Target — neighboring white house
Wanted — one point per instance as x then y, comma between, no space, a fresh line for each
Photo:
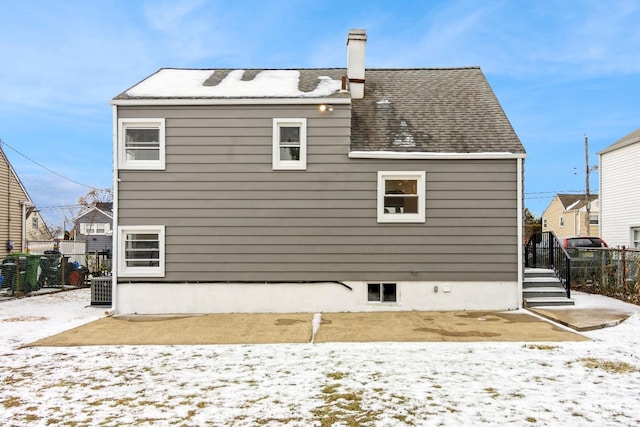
619,189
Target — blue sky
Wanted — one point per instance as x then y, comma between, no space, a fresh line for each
561,69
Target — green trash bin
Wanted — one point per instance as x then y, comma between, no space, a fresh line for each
31,271
9,273
27,278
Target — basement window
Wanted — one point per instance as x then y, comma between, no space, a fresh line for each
382,292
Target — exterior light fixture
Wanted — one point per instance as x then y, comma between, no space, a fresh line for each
325,107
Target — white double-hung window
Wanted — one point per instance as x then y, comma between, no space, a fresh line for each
141,144
635,237
401,196
289,144
141,251
94,228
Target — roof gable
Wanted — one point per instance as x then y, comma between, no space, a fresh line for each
630,139
575,201
101,210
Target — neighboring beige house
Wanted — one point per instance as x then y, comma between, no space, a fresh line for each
566,216
20,222
619,187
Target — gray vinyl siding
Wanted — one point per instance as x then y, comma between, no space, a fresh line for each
230,217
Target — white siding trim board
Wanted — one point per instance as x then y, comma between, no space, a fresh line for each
422,155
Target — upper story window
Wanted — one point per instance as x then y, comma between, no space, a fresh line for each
289,144
141,251
544,223
95,228
141,144
34,222
561,222
594,219
401,196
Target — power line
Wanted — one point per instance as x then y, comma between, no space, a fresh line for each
4,144
58,207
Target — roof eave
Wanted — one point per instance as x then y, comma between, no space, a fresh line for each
424,155
229,101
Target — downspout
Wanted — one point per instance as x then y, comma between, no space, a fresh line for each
23,224
114,238
23,221
520,222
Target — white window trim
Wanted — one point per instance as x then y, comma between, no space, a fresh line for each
123,270
123,163
632,228
384,217
382,283
561,221
88,229
289,164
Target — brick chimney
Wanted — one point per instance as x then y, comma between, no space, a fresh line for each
356,43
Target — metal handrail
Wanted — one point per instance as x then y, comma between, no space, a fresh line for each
545,250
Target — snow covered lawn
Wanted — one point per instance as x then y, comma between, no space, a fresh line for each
573,383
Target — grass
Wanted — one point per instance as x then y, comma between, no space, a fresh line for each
540,347
609,366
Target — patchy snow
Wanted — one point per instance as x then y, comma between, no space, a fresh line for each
381,384
183,83
403,136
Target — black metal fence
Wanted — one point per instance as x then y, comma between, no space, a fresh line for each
544,250
608,271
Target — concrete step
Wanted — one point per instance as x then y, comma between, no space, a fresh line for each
551,301
544,292
539,272
540,282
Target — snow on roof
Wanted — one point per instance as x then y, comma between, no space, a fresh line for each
185,83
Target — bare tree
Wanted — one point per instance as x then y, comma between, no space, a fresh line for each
95,196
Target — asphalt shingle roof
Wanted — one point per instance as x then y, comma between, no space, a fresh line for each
431,110
570,200
439,110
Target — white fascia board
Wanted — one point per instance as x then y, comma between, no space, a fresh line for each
232,101
573,205
422,155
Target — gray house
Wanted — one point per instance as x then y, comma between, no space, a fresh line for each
94,226
293,190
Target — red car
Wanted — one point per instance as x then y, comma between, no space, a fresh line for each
583,242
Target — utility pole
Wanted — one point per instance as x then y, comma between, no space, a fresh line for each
587,195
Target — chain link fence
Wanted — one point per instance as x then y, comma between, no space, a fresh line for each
613,272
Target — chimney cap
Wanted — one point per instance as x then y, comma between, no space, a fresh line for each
360,35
